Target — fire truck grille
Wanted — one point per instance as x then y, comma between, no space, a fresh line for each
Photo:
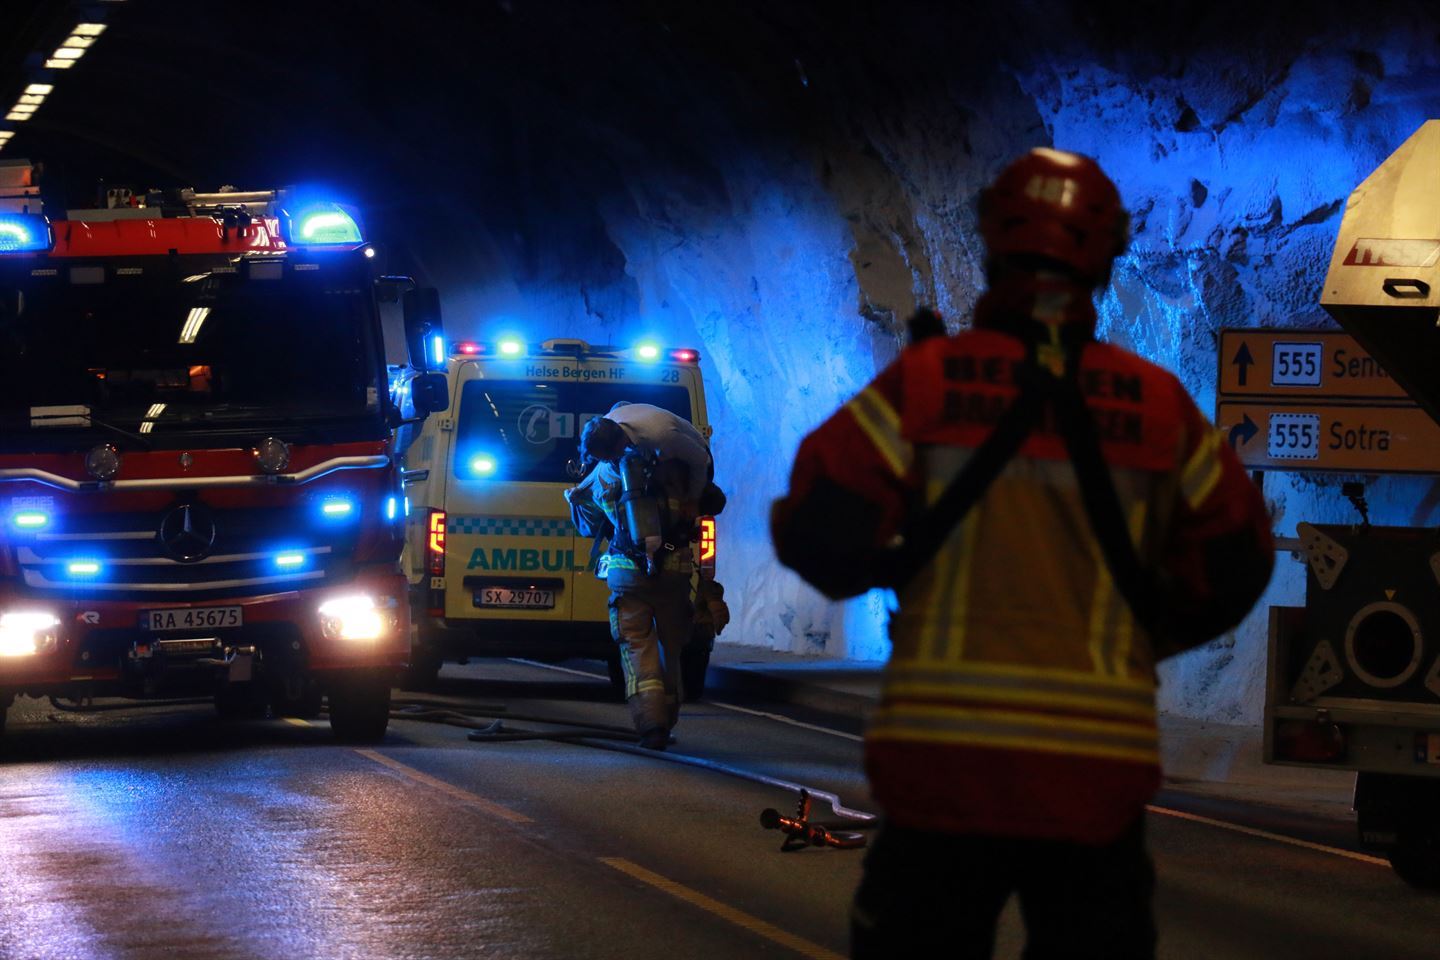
124,556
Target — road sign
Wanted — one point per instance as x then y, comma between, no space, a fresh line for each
1354,438
1300,364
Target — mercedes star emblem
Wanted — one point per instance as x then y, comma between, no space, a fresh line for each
188,532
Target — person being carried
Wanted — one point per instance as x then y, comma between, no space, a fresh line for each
641,495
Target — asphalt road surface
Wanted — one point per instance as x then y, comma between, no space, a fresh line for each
161,831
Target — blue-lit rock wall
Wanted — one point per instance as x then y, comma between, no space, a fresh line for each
827,186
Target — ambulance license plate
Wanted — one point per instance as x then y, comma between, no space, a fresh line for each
506,597
192,618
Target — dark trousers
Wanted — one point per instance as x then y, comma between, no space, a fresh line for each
650,618
938,895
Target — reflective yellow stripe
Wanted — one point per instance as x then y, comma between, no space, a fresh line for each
960,605
999,717
1200,475
1101,603
1036,744
983,668
1125,617
1097,702
647,685
1021,730
882,425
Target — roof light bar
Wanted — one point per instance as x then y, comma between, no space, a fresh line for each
467,348
324,224
23,232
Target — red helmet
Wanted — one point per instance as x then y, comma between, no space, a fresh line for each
1059,206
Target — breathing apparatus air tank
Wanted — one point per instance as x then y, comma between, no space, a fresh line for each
640,506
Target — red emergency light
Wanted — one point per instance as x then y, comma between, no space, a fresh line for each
707,547
685,355
436,563
468,348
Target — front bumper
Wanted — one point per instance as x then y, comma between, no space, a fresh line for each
103,644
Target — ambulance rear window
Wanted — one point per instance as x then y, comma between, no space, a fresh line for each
523,430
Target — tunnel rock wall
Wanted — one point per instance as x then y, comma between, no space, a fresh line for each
780,183
828,187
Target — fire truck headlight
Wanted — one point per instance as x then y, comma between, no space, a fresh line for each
358,617
103,462
24,633
272,455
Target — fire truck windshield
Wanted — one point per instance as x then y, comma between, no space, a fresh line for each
180,353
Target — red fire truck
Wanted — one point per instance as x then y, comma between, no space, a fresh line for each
199,486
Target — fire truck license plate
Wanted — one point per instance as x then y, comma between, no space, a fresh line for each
506,597
192,618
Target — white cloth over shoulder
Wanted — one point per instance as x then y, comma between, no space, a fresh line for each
672,437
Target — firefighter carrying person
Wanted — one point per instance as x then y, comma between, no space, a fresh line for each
1055,516
642,495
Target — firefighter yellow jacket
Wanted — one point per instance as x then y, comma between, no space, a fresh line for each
1019,698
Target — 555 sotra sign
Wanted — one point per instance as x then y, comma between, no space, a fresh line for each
1332,436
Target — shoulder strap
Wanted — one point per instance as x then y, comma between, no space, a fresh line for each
1038,389
1102,506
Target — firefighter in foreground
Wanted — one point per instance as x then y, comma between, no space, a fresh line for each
1055,516
642,495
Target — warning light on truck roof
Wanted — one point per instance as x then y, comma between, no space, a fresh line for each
20,232
324,223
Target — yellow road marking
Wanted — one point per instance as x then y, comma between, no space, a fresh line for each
465,796
297,721
1267,835
743,920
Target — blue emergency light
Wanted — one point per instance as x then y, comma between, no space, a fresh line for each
323,224
289,561
23,232
337,508
83,568
31,520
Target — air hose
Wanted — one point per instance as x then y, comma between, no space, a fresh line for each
604,737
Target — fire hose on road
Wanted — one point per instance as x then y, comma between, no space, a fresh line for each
488,725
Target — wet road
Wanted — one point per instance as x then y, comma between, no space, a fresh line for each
162,832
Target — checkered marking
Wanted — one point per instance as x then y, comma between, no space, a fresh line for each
510,526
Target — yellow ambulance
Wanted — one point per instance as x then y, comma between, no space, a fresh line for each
496,567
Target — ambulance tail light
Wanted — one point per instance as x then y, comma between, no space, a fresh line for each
707,547
435,547
1309,741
